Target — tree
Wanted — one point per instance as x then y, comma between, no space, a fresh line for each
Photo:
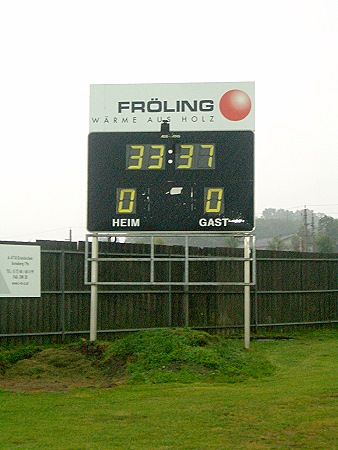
277,223
323,243
328,226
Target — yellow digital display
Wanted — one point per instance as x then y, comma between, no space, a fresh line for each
126,201
195,156
145,157
155,157
213,200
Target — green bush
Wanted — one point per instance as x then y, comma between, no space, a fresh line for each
182,355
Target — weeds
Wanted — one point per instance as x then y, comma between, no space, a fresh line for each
160,356
11,356
182,355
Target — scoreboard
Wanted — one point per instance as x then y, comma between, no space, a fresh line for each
193,181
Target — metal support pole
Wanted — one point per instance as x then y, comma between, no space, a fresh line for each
169,294
94,288
246,292
186,282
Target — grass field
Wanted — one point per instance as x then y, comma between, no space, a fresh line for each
295,406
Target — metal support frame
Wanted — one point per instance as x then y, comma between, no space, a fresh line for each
248,259
94,288
152,259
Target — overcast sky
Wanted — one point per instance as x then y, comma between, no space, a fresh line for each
52,51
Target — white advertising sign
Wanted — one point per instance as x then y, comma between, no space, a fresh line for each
187,107
20,271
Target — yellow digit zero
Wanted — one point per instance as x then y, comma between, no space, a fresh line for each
212,195
123,198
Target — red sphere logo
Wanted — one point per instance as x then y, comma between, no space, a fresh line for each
235,105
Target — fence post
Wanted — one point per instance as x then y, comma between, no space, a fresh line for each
62,286
94,288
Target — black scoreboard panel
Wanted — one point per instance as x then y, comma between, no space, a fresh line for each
196,181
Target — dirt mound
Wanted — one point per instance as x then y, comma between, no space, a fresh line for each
54,369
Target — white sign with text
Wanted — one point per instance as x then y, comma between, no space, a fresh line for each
185,106
20,271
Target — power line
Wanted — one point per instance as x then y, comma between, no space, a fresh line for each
302,206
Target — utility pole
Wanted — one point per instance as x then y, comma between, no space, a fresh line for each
70,235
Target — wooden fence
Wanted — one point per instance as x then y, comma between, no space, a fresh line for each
292,288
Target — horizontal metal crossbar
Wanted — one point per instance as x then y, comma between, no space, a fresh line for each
173,283
152,258
172,259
